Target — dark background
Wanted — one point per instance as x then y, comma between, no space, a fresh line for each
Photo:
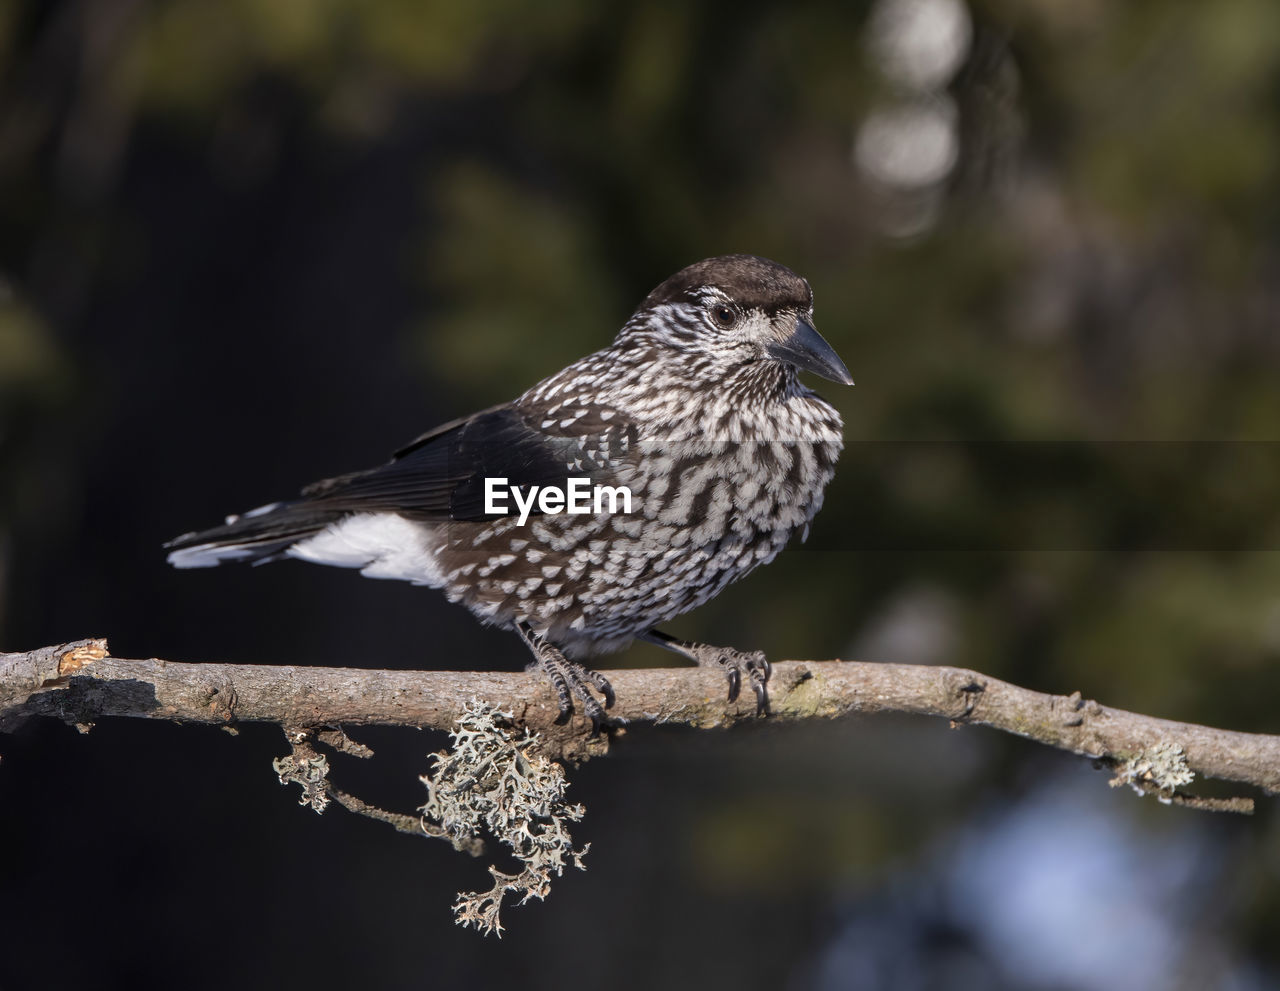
245,245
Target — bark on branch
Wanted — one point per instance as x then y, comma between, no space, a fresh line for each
81,683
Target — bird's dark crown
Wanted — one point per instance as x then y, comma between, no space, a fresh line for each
752,282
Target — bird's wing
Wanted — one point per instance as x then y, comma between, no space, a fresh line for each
441,475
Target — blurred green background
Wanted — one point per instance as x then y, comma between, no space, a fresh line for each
245,244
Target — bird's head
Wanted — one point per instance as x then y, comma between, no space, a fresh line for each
738,312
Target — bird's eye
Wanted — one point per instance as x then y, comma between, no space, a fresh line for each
723,315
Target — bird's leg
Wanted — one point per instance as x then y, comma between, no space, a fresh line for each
569,679
735,663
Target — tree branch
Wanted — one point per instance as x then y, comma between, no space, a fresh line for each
80,683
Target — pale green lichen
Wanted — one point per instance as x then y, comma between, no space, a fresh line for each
490,781
807,696
310,770
1162,768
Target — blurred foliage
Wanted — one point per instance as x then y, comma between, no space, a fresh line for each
34,381
503,262
31,367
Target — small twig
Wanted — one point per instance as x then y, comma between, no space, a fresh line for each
1241,806
336,738
309,770
412,825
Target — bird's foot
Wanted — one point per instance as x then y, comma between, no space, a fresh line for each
570,679
737,665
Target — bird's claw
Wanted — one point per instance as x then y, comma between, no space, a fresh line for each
606,690
758,671
754,665
571,682
592,708
762,693
735,684
570,678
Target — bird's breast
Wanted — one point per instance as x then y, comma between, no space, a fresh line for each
711,498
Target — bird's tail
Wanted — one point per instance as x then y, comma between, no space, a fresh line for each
258,536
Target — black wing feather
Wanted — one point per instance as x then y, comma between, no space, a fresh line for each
441,475
438,477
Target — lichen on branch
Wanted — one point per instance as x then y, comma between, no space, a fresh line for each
491,781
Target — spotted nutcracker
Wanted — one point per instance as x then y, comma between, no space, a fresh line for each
695,411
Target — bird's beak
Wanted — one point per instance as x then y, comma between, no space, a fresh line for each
806,349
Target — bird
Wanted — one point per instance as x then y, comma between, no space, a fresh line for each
695,411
